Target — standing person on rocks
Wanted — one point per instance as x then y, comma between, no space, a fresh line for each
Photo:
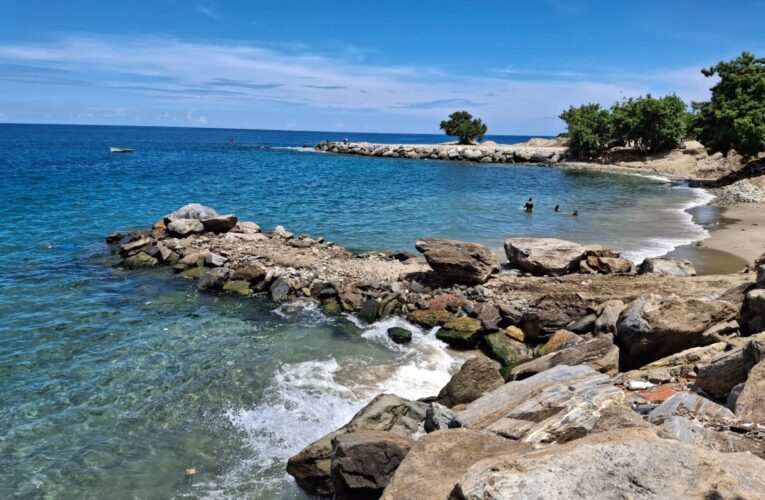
529,206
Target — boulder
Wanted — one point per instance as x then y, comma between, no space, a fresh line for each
430,317
718,376
215,260
219,224
214,279
458,261
399,335
542,256
437,461
311,467
139,261
652,327
683,402
252,274
185,227
599,353
583,325
626,463
438,417
753,312
238,286
560,340
505,348
607,316
750,404
363,462
676,365
490,317
674,267
191,211
279,289
246,227
369,310
134,245
463,333
607,265
476,377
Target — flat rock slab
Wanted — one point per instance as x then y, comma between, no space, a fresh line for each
632,463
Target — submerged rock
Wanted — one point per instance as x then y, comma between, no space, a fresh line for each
399,335
139,261
458,261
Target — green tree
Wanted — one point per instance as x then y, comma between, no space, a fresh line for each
462,124
590,130
651,125
735,116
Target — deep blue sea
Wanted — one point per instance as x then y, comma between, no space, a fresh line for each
113,383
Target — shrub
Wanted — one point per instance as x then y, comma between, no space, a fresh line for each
589,130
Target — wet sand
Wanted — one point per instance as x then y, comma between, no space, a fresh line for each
737,237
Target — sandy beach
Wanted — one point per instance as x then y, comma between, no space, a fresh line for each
740,231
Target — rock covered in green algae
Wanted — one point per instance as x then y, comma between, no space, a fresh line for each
430,317
194,272
139,261
399,335
506,349
238,286
461,332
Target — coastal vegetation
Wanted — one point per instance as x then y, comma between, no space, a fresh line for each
734,118
462,124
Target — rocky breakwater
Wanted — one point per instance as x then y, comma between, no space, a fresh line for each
493,153
647,379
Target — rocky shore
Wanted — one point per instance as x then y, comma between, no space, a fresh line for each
590,376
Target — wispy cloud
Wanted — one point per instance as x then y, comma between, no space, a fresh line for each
207,11
166,78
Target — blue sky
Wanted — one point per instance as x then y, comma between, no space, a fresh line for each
395,66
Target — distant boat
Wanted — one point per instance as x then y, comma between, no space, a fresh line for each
120,150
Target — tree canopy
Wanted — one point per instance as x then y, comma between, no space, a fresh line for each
651,125
462,124
589,130
734,118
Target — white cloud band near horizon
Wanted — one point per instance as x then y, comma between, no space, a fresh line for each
159,80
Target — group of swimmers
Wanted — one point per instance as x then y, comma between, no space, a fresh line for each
529,207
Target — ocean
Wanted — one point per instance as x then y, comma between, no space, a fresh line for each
113,382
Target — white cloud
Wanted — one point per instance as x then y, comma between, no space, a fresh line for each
166,76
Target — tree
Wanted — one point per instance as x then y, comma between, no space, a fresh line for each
651,125
462,124
589,130
735,116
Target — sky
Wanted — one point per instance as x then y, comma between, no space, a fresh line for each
394,66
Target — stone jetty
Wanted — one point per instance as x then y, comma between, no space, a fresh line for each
482,153
591,377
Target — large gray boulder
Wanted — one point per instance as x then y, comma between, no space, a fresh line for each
544,255
653,326
185,227
458,261
674,267
192,211
628,463
311,467
363,462
476,377
437,461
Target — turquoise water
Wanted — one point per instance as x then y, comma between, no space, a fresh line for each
115,383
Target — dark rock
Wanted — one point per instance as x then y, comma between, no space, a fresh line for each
369,310
490,317
252,274
438,417
214,279
583,325
458,261
753,312
363,462
476,377
114,238
219,224
399,335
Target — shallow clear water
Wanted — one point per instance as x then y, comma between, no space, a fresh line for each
116,382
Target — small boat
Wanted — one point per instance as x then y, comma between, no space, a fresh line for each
121,150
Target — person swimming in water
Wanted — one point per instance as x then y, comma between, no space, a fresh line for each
557,208
529,206
575,213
